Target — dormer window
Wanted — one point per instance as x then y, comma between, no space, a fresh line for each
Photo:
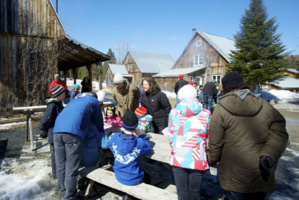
198,59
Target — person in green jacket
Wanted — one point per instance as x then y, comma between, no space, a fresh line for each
247,137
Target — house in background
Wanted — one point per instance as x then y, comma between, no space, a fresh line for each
204,58
139,65
288,83
293,73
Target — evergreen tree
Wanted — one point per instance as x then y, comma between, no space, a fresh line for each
105,65
259,55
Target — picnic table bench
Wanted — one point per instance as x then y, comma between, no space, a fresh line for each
161,152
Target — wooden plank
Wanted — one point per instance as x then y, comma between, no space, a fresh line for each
141,191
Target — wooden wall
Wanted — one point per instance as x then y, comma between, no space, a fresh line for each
29,34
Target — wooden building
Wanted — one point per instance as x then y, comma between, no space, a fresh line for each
112,69
204,59
33,47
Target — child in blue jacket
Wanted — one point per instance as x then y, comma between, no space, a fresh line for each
126,148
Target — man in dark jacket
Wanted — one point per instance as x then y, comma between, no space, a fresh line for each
247,137
180,83
71,127
209,91
54,107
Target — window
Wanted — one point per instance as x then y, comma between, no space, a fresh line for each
191,78
199,80
198,43
217,78
198,59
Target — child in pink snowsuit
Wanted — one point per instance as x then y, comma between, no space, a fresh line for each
112,118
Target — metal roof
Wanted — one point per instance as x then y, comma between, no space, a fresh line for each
152,62
116,68
288,82
178,71
221,44
296,71
73,54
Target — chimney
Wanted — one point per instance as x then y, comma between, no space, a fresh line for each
193,31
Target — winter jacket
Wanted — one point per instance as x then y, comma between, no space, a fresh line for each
127,98
54,107
210,89
115,121
180,83
57,82
94,140
158,106
243,128
188,135
77,116
145,124
74,94
126,152
86,87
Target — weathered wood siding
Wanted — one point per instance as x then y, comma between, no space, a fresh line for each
29,34
109,78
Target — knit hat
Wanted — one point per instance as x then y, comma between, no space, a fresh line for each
57,90
180,77
130,121
76,86
191,83
232,80
101,95
118,79
187,92
140,111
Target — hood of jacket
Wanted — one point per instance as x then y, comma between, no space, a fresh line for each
242,103
189,107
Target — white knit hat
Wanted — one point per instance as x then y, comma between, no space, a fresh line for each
187,92
101,95
118,79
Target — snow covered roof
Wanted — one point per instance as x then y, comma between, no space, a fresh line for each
178,71
116,68
152,62
288,82
221,44
296,71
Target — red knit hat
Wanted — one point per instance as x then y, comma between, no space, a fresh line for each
191,83
180,77
140,111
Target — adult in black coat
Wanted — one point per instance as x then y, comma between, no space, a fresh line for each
54,107
156,103
180,83
86,85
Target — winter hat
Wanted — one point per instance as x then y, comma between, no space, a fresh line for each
118,79
76,86
232,80
101,95
190,83
130,121
187,92
180,77
57,90
140,111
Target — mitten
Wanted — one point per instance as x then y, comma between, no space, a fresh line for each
265,165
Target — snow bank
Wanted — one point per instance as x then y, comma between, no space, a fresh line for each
285,95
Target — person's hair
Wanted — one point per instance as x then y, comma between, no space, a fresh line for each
225,91
112,108
86,78
154,87
94,94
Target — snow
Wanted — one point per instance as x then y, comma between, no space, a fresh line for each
285,95
10,125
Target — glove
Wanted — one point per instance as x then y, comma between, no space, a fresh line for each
265,165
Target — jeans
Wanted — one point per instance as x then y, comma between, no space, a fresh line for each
207,102
52,150
188,183
68,153
246,196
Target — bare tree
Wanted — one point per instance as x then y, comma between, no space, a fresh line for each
121,48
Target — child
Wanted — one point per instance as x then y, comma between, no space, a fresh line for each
112,118
145,124
75,91
126,148
54,107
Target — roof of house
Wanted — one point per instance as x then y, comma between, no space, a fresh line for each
296,71
221,44
152,62
117,68
179,71
288,82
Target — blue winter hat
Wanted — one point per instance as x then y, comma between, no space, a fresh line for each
130,121
76,86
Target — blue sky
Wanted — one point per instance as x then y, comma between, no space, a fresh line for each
165,26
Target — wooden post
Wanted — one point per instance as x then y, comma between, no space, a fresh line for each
99,65
75,75
89,68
